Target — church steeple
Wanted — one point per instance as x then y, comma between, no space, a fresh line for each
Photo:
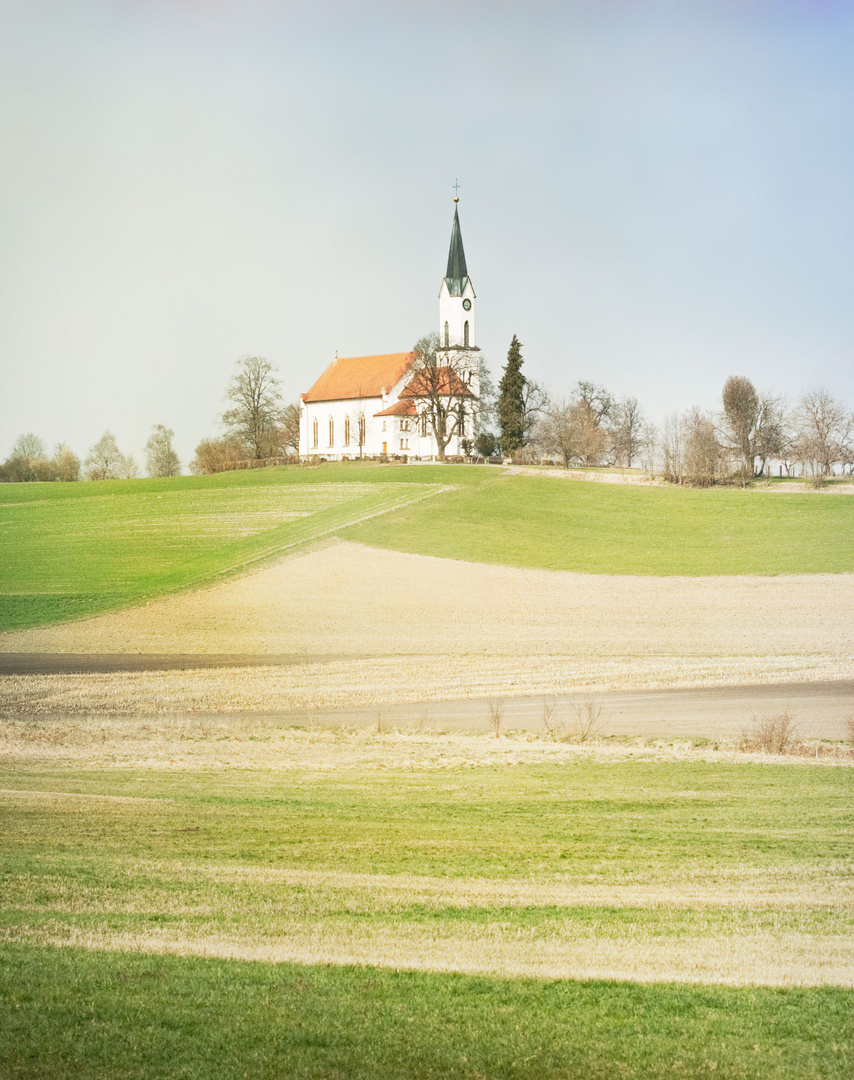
456,296
457,274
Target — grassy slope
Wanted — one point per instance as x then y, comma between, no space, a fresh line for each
138,865
72,550
621,529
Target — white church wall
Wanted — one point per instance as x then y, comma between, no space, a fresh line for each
378,429
453,313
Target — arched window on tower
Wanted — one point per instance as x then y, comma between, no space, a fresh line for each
314,432
331,431
447,336
466,334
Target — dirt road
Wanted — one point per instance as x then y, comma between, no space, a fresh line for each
819,711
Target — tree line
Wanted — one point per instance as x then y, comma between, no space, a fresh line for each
29,459
750,432
258,426
520,420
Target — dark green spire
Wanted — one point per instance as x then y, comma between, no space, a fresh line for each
457,274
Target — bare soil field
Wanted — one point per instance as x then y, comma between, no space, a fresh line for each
362,627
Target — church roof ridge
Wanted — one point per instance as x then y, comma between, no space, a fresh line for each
359,376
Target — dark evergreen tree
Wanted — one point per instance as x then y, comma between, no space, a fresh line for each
511,401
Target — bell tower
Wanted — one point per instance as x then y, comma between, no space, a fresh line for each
457,328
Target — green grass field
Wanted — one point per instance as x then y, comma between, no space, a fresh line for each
555,524
116,879
72,550
160,918
107,1017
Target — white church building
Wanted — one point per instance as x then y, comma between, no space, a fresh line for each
369,406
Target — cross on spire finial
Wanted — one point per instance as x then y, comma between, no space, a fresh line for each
457,190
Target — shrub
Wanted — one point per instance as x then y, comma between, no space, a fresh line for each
772,735
588,721
496,714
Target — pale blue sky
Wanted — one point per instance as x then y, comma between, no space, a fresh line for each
654,196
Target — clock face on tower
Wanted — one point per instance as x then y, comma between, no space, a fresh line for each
467,304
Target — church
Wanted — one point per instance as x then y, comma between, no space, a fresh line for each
403,404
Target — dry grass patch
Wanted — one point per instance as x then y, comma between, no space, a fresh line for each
183,742
742,959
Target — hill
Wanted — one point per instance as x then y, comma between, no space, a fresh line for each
73,550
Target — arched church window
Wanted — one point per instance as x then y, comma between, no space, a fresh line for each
466,334
346,430
424,425
361,429
331,431
447,336
314,432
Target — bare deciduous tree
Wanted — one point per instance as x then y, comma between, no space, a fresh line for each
556,432
66,463
160,456
690,449
627,427
597,399
823,433
487,396
672,449
29,447
591,436
27,461
650,447
535,402
256,414
289,428
128,469
443,388
217,455
702,452
572,432
752,426
496,714
104,460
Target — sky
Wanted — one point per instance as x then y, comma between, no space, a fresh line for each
653,196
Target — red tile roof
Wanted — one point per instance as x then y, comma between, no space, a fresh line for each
447,382
400,408
359,376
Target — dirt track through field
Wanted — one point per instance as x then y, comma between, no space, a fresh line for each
368,627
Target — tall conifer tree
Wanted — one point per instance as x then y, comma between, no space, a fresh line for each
511,401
